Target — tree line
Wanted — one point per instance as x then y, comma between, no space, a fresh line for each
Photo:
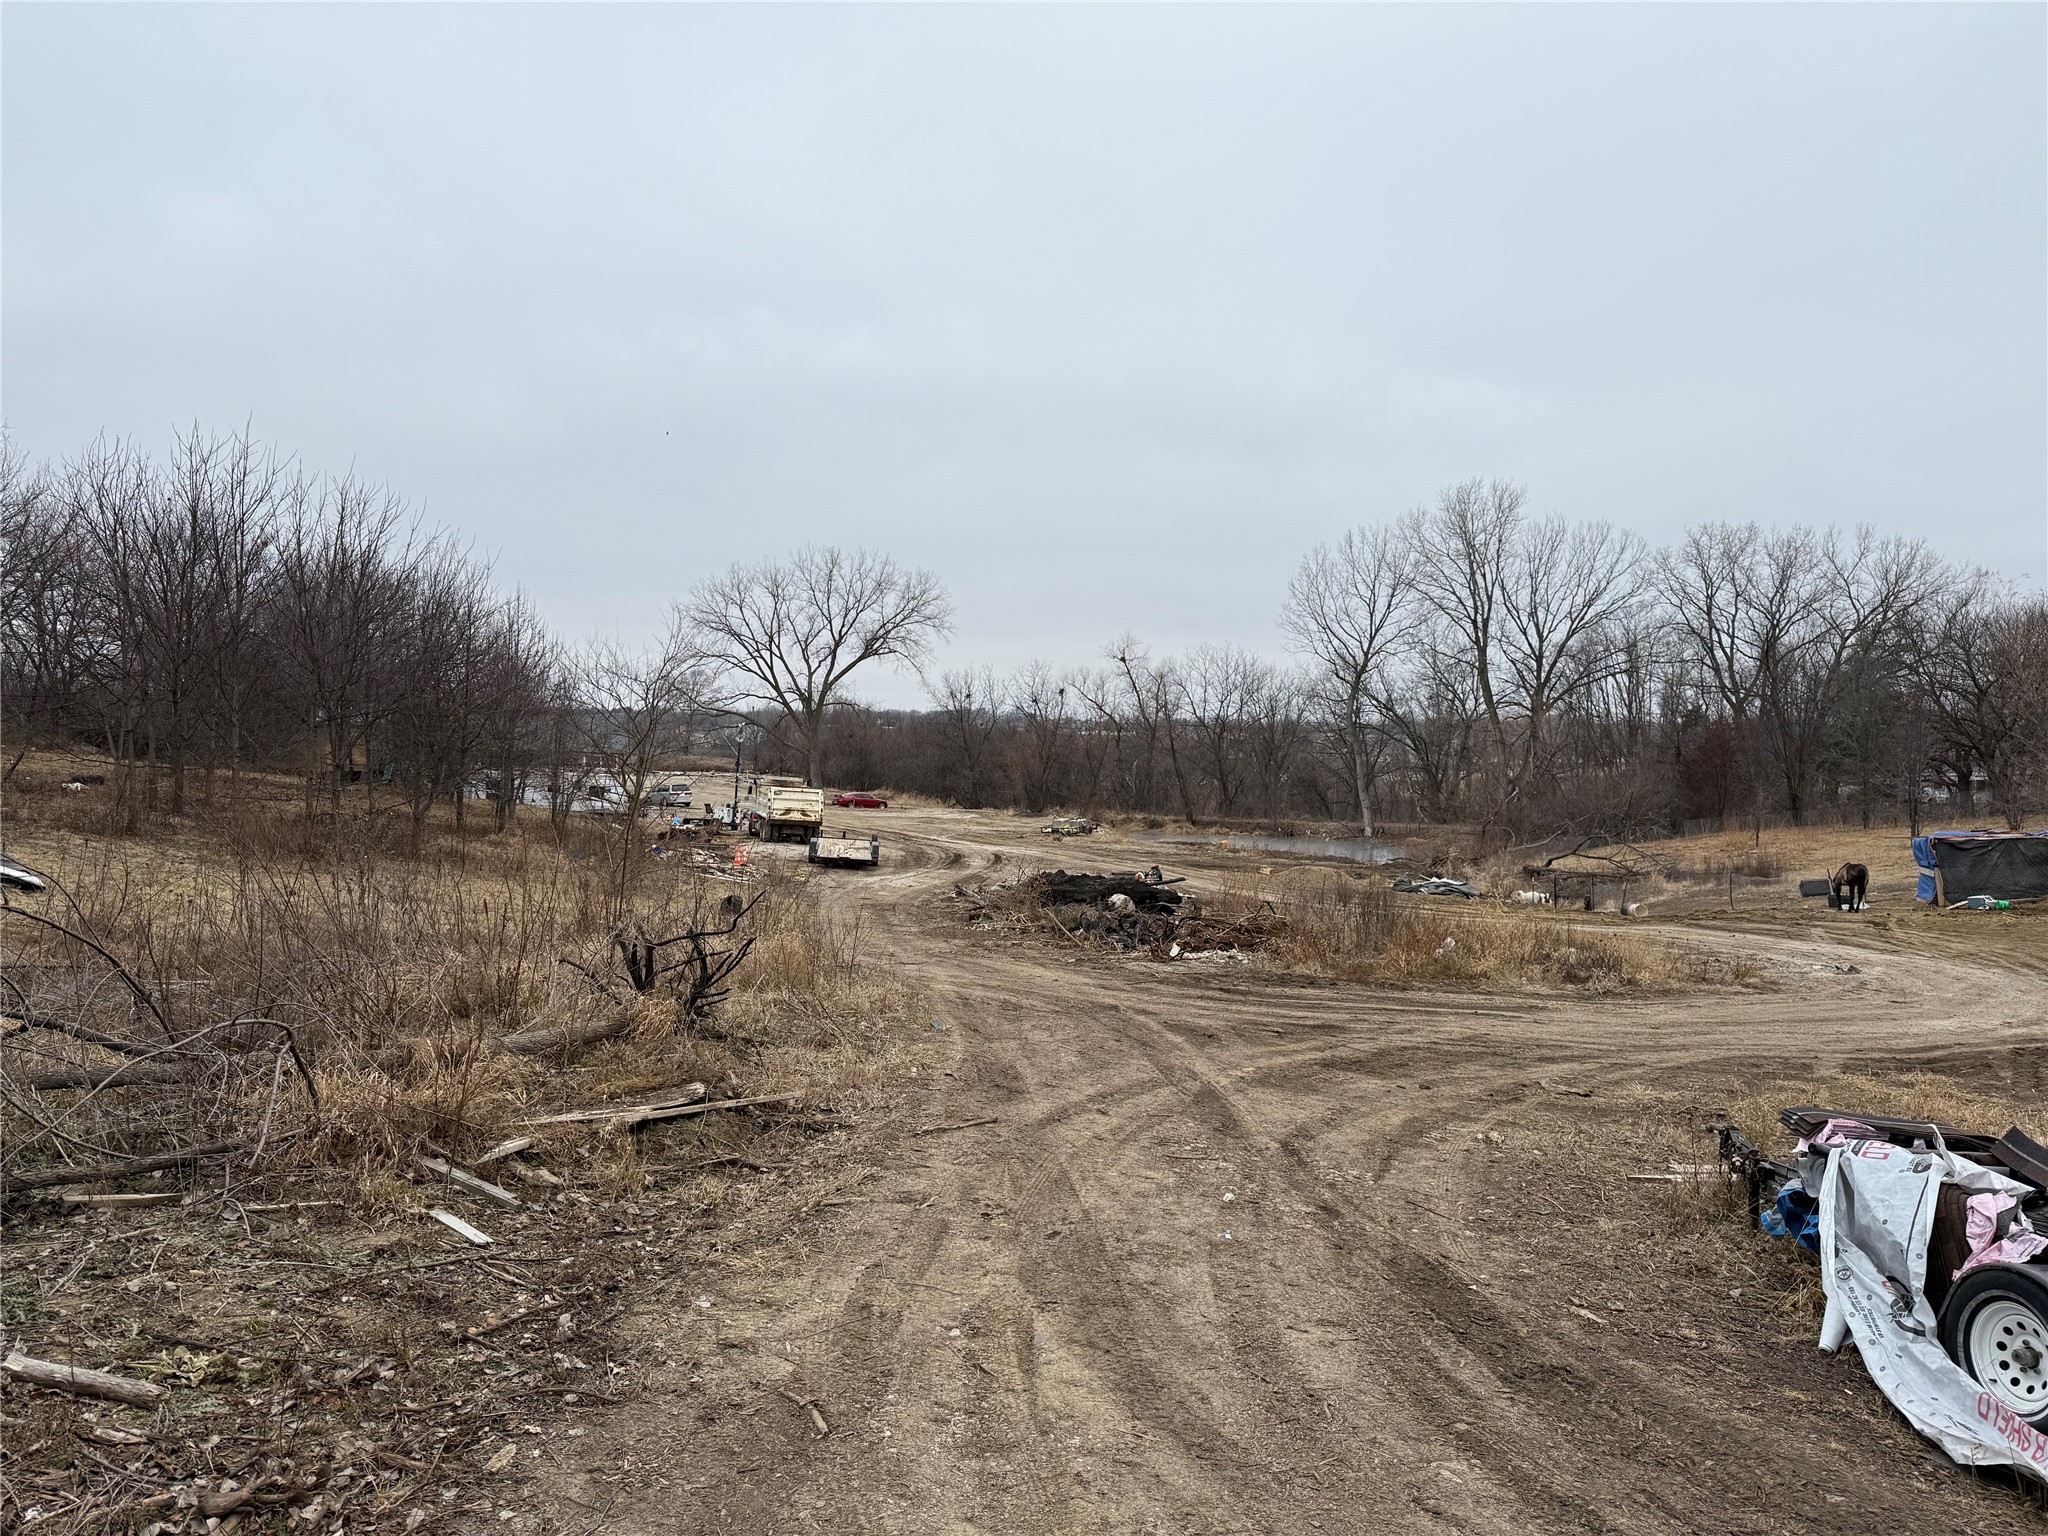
218,609
1472,662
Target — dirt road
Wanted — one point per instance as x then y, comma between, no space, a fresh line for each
1239,1253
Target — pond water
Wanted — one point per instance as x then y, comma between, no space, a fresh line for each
1355,848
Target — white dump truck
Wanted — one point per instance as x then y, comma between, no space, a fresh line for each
844,849
776,807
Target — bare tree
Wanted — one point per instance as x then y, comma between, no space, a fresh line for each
521,668
45,612
633,704
2017,638
1707,586
107,489
344,562
1536,610
1432,710
1979,666
1569,590
1038,698
969,705
1137,697
789,634
249,486
432,727
1275,730
1823,599
1462,553
1219,689
1348,608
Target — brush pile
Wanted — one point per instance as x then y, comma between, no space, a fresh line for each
1127,912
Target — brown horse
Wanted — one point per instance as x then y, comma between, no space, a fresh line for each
1850,884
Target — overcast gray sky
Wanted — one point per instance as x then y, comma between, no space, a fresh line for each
1104,314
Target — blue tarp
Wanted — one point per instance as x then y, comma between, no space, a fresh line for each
1924,856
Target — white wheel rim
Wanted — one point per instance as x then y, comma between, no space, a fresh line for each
2009,1354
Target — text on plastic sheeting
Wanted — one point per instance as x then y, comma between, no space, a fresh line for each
2022,1436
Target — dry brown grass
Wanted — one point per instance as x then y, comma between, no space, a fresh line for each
312,1277
397,967
1357,929
1353,927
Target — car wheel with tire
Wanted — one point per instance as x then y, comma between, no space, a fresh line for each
1995,1326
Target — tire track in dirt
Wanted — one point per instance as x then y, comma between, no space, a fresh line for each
1357,1354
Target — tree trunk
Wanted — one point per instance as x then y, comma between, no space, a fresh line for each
1361,781
813,726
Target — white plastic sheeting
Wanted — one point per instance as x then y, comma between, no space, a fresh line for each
1876,1214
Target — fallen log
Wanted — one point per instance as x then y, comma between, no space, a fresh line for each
102,1077
161,1197
51,1178
80,1032
72,1378
538,1042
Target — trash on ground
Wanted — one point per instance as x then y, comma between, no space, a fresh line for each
1129,911
1436,887
1930,1241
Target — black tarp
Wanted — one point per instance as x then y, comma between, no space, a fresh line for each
2009,868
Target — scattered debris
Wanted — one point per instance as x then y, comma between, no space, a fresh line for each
1930,1258
1409,885
1069,826
17,876
1057,888
461,1228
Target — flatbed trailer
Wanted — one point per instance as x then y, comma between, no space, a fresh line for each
827,849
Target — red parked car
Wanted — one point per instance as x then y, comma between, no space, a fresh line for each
860,799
